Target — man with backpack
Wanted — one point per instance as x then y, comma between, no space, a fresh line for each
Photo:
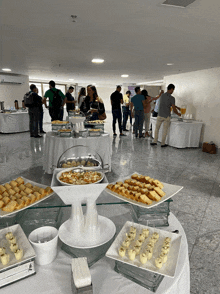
33,102
56,101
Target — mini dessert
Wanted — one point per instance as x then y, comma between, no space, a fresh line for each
132,234
167,239
122,251
19,181
19,254
143,258
129,237
145,232
7,186
165,249
149,253
119,183
144,199
2,250
133,229
158,262
139,242
155,235
141,237
160,192
126,243
5,258
153,240
28,185
2,189
137,249
13,247
163,256
131,254
150,245
12,240
158,184
11,192
9,235
153,196
10,206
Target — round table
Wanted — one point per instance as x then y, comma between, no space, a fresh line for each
180,134
14,122
55,278
56,145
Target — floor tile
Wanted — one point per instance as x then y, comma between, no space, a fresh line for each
204,281
213,209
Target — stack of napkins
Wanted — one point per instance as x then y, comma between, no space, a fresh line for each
81,272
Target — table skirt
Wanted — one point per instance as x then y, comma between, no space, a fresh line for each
14,122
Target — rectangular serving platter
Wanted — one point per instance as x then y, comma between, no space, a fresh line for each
169,189
4,213
22,242
168,269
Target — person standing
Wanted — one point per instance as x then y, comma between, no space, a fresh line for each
34,112
70,101
81,96
116,101
166,101
125,109
138,103
41,115
156,108
56,101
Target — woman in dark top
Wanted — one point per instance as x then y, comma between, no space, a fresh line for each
93,104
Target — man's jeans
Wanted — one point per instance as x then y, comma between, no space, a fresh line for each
116,113
139,119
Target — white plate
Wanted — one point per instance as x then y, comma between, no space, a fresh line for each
72,168
169,189
4,213
22,242
168,268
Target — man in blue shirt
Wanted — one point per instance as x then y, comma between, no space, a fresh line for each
138,102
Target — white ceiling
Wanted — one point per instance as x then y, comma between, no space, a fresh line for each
135,37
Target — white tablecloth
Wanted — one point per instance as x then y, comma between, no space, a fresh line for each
14,122
56,145
180,134
55,278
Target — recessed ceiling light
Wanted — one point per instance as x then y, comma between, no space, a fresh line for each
170,63
6,69
98,60
124,76
71,79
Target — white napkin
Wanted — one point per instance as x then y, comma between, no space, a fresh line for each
81,272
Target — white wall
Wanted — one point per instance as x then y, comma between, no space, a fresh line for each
9,92
200,91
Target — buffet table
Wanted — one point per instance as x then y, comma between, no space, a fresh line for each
180,134
14,122
56,277
56,145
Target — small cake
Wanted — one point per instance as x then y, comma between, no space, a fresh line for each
158,262
149,253
132,234
155,235
139,242
131,254
158,184
2,189
19,181
9,235
143,258
153,196
137,249
134,176
165,249
160,192
163,256
22,187
144,199
12,240
145,232
19,254
10,206
150,245
122,251
5,259
126,243
2,250
133,229
129,237
13,247
153,240
141,237
167,239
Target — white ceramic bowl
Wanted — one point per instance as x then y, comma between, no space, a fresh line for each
76,170
76,119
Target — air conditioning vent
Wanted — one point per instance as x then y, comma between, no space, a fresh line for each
178,3
12,79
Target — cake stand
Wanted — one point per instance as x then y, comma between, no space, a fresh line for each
86,235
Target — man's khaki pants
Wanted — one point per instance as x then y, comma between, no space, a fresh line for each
166,124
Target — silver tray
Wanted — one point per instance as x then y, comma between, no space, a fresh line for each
4,213
22,242
168,269
80,162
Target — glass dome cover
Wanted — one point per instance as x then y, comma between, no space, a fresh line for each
80,156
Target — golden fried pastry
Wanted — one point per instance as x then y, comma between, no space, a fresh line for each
133,183
158,184
13,184
153,196
144,199
16,189
32,198
11,192
6,200
7,186
22,187
148,186
36,189
127,181
37,195
144,191
28,185
5,194
2,203
109,186
134,176
13,197
28,191
119,183
2,189
48,190
20,204
160,192
27,200
18,196
10,206
19,181
23,193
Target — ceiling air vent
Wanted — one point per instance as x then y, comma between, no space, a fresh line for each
178,3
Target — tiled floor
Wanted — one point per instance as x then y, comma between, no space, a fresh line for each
197,206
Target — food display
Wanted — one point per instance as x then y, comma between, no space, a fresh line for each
147,248
65,130
87,162
95,130
59,122
72,177
95,122
19,194
142,190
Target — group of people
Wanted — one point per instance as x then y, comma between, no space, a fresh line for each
91,105
139,107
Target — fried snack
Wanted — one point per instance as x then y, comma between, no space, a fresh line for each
23,193
5,258
13,184
7,186
109,186
12,240
27,200
6,200
5,194
10,206
160,192
28,191
149,253
18,196
158,184
28,185
119,183
137,249
19,181
48,190
141,237
153,196
134,176
37,195
150,181
16,189
20,204
143,258
32,198
2,203
2,189
144,191
137,196
148,186
19,254
36,189
158,262
144,199
13,197
122,251
22,187
11,192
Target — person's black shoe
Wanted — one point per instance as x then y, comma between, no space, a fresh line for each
153,144
141,136
31,135
114,135
126,130
42,132
122,135
165,145
38,136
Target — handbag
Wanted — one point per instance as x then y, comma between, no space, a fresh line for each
102,116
